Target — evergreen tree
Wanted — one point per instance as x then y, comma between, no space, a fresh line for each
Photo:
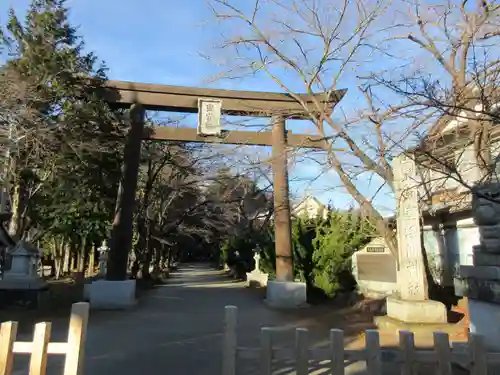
68,159
336,240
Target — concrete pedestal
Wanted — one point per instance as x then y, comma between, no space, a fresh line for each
484,319
427,311
105,294
286,294
257,278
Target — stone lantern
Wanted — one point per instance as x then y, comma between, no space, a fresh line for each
103,258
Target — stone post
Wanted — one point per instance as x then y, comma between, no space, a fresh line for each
411,275
480,283
413,305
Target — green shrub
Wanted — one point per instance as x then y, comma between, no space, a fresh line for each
322,250
338,238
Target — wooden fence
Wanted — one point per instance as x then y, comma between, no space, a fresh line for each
475,358
41,346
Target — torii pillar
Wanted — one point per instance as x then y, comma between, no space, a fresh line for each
283,292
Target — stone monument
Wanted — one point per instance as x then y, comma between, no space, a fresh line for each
375,270
412,305
257,277
480,283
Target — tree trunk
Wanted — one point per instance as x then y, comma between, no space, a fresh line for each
67,258
135,268
148,251
81,255
146,263
157,264
16,210
58,257
90,270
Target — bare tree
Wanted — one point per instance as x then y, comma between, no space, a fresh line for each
449,84
406,100
186,200
315,44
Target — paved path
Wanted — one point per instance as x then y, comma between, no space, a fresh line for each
177,329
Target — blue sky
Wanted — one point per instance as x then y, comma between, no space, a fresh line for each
159,41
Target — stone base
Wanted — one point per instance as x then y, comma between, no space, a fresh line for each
111,295
257,279
389,324
484,317
416,311
377,289
36,296
19,283
286,294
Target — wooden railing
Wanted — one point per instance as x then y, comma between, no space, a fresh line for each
41,346
475,358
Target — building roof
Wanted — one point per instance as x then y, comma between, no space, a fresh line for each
308,197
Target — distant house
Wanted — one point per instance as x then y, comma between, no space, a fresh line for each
309,207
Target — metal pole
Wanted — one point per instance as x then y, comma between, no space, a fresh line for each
121,238
282,221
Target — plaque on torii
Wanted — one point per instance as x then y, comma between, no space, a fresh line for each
209,116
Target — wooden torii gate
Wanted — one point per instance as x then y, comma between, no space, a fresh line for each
141,97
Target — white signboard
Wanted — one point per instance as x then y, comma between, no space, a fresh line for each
209,115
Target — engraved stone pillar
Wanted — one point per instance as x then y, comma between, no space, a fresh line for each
411,276
413,305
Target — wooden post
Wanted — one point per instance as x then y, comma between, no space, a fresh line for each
337,352
266,351
443,353
373,362
77,334
282,222
8,333
121,239
229,349
41,338
407,346
302,351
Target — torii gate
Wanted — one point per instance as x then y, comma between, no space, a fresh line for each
141,97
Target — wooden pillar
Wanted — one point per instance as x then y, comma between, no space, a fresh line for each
282,222
121,237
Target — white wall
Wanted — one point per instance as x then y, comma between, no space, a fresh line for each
467,168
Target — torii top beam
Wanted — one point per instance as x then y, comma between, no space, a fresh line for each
242,103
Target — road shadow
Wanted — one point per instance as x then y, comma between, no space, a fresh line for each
253,315
178,327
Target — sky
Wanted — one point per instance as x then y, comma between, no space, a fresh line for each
161,41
